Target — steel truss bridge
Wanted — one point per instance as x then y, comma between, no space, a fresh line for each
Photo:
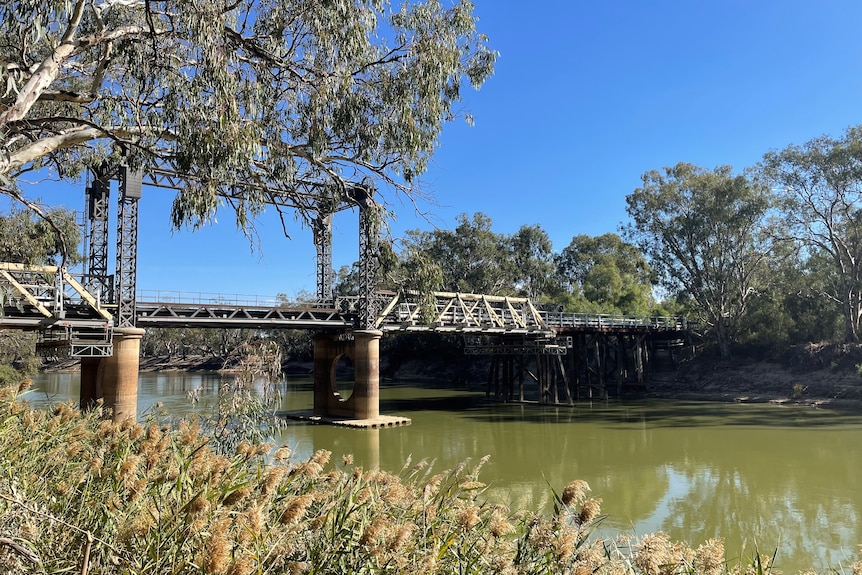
76,314
56,304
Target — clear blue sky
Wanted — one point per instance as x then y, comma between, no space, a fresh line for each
586,97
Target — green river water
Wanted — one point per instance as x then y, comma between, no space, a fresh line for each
760,476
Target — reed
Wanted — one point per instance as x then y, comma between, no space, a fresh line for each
80,494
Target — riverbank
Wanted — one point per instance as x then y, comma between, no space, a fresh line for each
813,374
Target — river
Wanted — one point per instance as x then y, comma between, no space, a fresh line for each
760,476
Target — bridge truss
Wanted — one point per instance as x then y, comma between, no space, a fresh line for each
48,299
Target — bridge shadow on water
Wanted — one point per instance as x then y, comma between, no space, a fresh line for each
627,414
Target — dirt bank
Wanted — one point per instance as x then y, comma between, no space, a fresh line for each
815,374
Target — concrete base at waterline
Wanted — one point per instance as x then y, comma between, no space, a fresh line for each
372,423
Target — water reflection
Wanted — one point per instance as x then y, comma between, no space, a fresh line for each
757,475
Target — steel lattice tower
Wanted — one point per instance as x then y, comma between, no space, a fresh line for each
127,246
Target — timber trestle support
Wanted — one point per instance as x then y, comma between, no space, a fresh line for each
574,366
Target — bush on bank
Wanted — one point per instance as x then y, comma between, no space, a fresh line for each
80,494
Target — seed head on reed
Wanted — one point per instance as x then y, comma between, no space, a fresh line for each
373,531
498,524
468,517
710,557
565,543
189,431
541,537
272,479
321,457
282,454
242,565
217,550
198,506
244,449
137,489
295,509
74,449
432,487
656,554
590,509
475,473
402,536
253,521
472,485
262,449
63,489
106,429
154,433
347,459
575,492
236,496
65,412
136,432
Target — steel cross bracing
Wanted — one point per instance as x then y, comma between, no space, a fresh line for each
98,194
69,319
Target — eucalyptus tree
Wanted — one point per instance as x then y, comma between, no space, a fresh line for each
820,188
472,258
704,232
303,96
533,261
30,240
612,275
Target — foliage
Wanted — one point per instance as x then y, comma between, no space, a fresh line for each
18,348
186,341
52,240
704,232
610,274
9,376
245,410
80,494
472,257
532,260
820,188
309,97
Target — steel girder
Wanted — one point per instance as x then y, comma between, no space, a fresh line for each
236,316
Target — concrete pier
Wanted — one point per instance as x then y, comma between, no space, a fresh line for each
362,408
114,379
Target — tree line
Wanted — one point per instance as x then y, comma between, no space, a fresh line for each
764,258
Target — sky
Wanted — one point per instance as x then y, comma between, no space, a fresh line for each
585,98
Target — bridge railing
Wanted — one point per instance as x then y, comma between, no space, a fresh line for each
214,299
613,321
